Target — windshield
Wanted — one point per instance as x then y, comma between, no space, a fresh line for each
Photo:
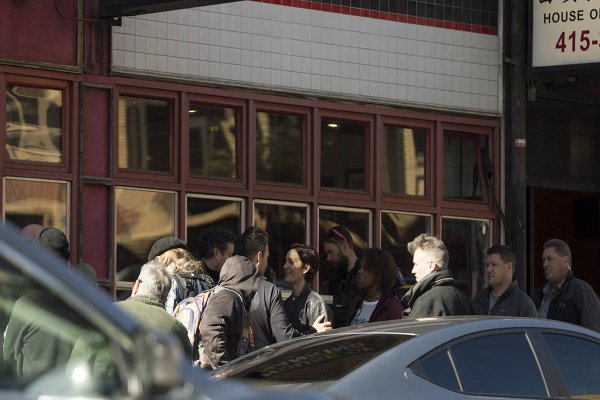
316,359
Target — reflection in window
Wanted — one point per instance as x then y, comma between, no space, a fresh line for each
144,134
358,223
467,241
462,177
579,362
142,217
45,340
403,170
343,158
397,229
210,212
510,355
279,150
37,202
213,140
437,368
34,124
286,224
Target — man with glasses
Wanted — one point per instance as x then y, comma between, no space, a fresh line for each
339,251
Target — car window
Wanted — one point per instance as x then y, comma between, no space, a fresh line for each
437,368
47,345
579,362
498,364
318,359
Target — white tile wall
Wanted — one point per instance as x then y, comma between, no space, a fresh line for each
311,51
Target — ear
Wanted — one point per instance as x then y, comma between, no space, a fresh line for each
432,266
216,253
136,287
305,268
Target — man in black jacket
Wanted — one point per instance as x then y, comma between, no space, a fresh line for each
502,296
564,297
435,294
267,313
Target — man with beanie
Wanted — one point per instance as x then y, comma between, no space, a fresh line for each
147,303
54,239
32,348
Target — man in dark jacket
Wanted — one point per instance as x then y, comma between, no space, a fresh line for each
564,297
267,312
147,303
502,296
338,247
435,293
222,324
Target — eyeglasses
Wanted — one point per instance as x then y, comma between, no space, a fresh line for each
336,233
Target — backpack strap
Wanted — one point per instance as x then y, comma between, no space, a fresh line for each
179,292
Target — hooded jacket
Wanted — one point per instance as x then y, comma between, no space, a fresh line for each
513,302
222,321
434,296
388,308
576,302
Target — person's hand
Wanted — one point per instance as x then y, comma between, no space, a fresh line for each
321,325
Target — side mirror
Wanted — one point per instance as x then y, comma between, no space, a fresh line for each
157,362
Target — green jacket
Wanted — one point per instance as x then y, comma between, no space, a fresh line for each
151,312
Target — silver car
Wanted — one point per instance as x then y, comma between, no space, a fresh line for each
436,358
86,348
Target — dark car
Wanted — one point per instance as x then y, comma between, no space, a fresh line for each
64,339
436,358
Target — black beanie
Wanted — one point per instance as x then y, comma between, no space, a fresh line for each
55,240
164,244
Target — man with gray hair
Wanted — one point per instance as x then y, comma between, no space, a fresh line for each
147,303
564,297
435,293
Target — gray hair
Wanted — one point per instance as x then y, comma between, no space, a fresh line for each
154,280
561,247
433,247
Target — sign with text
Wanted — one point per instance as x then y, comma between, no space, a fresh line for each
565,32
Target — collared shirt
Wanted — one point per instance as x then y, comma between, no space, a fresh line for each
550,292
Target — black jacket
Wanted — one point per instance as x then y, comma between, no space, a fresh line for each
344,291
304,310
513,302
267,313
435,295
222,322
576,303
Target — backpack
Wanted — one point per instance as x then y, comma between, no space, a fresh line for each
189,312
186,285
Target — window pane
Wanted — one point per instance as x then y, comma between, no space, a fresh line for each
143,216
358,223
343,154
36,202
279,152
213,140
34,124
397,230
204,213
498,365
579,362
286,224
467,241
436,367
404,161
461,171
144,134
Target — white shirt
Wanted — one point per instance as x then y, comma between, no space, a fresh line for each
364,312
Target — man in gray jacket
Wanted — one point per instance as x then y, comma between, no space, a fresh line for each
502,296
147,303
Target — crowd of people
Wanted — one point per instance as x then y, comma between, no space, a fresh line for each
243,311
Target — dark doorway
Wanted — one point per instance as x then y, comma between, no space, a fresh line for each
572,216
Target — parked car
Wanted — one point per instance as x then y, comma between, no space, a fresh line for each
90,348
434,358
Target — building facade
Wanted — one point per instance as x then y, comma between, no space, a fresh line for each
295,116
